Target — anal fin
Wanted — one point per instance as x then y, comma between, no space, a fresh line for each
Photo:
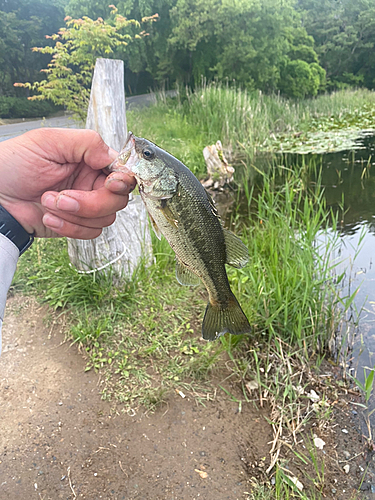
185,276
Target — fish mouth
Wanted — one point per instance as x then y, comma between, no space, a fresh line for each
130,139
126,159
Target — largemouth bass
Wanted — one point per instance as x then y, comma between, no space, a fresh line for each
182,210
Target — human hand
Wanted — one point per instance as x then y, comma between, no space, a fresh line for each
51,181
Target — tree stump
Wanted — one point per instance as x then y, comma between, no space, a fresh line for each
218,169
121,247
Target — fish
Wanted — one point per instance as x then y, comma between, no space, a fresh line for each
183,212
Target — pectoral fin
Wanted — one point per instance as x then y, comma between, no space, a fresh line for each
185,276
155,227
237,252
168,214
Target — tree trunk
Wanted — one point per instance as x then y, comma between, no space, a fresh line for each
121,247
218,169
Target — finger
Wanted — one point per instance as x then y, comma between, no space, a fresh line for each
94,223
68,229
74,146
120,183
88,204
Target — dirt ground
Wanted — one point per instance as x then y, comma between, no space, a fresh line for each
60,440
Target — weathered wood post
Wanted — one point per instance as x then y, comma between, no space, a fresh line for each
122,246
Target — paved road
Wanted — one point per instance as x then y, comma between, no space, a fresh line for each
14,129
11,130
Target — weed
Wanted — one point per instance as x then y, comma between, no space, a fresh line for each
144,335
368,386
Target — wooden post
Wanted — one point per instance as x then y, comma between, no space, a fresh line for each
121,247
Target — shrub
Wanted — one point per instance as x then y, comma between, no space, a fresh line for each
21,107
300,79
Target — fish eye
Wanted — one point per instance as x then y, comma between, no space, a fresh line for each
148,154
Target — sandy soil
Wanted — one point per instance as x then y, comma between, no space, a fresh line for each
59,440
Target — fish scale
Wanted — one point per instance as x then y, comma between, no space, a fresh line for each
182,210
191,241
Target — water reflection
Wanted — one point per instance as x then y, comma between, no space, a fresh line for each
348,179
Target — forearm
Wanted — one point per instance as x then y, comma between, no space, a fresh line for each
9,254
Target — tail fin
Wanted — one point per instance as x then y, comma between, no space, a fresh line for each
218,320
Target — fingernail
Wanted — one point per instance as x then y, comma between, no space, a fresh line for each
52,221
117,185
67,203
49,201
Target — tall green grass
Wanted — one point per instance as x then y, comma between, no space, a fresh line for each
246,123
290,285
287,291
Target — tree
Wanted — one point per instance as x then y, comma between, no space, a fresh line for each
76,49
11,53
23,24
300,79
141,59
248,41
344,34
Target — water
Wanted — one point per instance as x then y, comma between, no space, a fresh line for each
348,179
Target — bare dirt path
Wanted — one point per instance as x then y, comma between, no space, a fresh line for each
59,440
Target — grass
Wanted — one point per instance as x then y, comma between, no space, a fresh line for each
250,123
144,336
148,330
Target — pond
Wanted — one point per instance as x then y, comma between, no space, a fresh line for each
348,179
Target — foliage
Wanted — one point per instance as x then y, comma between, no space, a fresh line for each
261,44
24,23
344,34
76,49
20,107
300,79
246,41
141,59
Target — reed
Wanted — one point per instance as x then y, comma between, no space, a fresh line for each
290,289
145,335
245,122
